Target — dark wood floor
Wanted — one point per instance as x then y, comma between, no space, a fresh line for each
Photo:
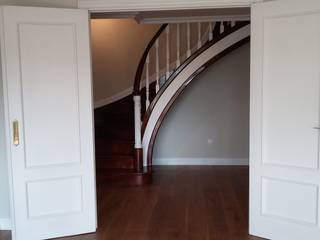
187,203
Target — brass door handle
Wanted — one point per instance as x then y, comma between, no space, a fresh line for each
16,137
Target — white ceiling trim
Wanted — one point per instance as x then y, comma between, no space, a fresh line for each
149,5
193,19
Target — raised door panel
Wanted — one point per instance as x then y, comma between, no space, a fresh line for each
50,85
291,91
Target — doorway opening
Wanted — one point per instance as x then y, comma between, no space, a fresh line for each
200,175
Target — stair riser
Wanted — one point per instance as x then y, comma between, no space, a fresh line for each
119,163
107,149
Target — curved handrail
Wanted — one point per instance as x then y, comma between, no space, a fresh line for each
180,90
148,151
138,76
176,72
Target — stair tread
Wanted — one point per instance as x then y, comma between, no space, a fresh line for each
114,137
114,141
117,157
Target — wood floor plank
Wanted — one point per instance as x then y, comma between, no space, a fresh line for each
182,203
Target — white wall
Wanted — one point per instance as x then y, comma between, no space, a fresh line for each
42,3
209,123
117,46
4,187
113,72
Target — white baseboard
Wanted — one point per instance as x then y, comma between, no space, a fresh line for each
113,98
5,224
201,161
128,91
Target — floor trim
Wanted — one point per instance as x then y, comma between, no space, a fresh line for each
5,224
201,161
126,92
113,98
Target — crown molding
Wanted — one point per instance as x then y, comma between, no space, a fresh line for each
149,5
193,19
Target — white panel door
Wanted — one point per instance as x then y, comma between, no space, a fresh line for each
47,79
285,103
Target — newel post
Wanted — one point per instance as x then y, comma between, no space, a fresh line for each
137,133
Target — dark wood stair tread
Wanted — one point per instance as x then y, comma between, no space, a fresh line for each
114,137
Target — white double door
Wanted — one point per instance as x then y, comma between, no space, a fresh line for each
47,84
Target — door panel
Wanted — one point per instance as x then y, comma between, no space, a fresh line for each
284,134
47,77
45,69
40,193
302,198
291,90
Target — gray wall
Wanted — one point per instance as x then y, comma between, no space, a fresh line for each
4,188
209,123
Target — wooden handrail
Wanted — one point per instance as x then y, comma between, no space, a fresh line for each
217,36
138,76
181,89
220,30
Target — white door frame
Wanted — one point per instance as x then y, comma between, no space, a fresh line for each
116,6
156,5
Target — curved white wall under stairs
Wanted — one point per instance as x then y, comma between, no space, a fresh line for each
183,76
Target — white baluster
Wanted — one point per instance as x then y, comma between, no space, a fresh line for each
210,31
178,44
168,52
147,82
221,27
137,121
188,40
157,65
199,35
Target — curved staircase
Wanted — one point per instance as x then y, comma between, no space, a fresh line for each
126,130
114,141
